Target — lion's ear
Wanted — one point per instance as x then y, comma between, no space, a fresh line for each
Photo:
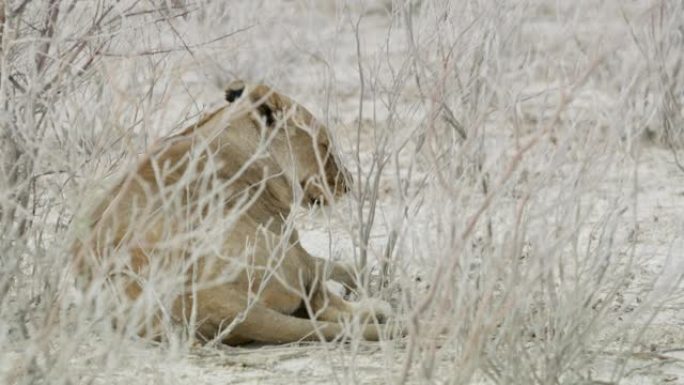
267,102
234,90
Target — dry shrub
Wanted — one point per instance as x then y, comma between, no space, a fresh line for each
494,148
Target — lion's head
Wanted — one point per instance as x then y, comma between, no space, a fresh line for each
300,144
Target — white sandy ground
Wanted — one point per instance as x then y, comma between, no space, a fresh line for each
659,361
660,218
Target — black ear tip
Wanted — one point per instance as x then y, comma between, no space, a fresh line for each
234,90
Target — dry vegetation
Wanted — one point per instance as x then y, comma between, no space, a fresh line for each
519,171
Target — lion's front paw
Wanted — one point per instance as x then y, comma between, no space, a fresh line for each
373,309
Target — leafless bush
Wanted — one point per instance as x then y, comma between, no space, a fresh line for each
67,113
47,55
493,193
659,39
493,145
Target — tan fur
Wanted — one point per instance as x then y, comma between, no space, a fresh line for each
150,226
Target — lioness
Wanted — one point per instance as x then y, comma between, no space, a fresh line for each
236,177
